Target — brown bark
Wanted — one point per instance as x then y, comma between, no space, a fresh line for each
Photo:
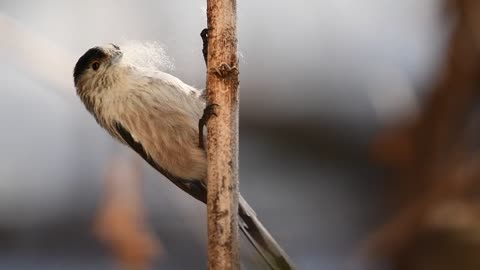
222,145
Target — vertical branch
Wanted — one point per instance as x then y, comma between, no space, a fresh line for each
222,85
441,162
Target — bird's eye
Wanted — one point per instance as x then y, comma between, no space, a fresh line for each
95,65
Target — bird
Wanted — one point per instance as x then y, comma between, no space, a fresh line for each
161,118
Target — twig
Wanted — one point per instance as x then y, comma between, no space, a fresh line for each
434,149
222,146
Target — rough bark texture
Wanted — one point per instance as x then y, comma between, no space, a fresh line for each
222,148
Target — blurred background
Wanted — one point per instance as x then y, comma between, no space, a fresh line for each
320,80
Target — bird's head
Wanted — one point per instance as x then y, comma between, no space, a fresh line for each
95,63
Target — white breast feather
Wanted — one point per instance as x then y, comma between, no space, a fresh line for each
161,113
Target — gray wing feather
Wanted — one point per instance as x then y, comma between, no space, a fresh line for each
191,186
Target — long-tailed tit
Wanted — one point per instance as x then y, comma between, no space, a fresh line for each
158,115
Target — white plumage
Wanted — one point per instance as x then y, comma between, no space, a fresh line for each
159,110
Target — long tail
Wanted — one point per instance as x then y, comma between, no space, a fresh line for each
261,239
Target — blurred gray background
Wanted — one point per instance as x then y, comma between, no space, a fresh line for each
318,78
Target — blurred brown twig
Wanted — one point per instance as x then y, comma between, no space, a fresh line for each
120,223
433,158
222,146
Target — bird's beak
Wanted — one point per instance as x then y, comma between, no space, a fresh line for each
114,52
116,56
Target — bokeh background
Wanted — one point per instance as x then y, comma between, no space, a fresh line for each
319,78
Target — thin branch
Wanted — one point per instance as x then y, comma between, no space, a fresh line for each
120,223
435,160
222,144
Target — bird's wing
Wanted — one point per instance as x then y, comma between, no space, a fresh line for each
193,187
253,229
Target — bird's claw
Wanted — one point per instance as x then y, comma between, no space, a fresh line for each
204,35
208,112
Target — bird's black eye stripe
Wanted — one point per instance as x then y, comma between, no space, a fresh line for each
84,62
